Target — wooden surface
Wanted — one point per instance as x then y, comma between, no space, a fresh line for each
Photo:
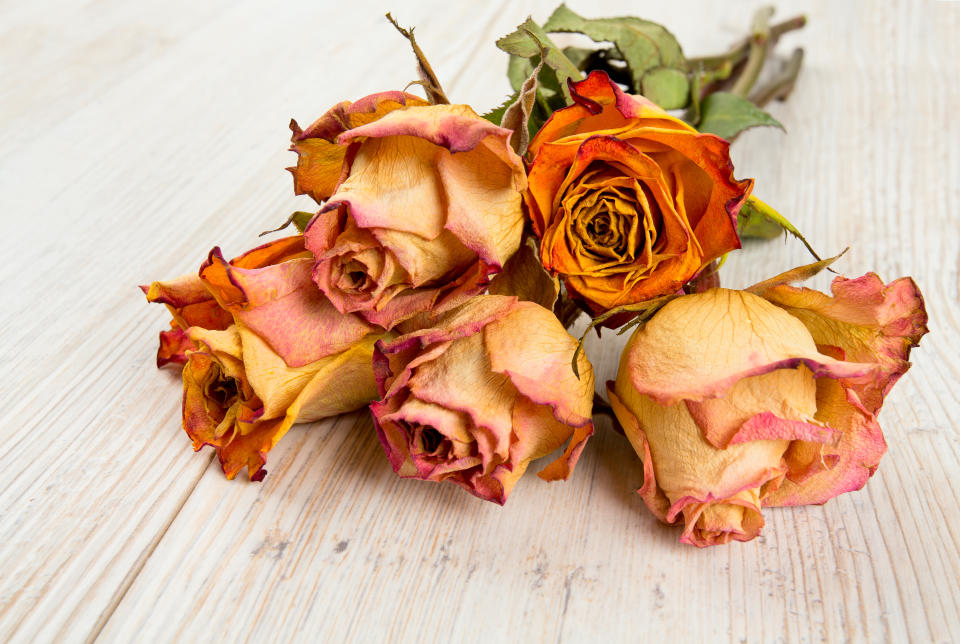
135,136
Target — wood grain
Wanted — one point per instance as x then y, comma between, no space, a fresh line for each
135,137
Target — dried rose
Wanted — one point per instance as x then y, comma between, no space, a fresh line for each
477,397
426,209
281,303
736,400
629,202
241,397
263,349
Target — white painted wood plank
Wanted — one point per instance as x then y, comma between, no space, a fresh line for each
131,177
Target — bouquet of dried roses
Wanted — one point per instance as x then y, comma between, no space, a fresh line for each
450,252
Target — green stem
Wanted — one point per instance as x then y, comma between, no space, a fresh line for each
759,42
741,50
781,86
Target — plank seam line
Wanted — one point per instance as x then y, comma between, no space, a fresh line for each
141,561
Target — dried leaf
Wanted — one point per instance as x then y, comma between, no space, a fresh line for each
524,276
517,116
299,219
798,274
644,311
428,78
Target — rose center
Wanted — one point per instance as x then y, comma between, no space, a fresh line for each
354,277
224,391
430,439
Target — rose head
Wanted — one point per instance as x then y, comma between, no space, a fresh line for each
736,400
264,349
427,207
629,202
477,397
241,397
267,288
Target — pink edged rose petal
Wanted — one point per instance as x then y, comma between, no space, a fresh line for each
543,374
867,320
748,337
283,306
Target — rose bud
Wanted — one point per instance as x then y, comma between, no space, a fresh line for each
629,202
477,397
426,209
241,397
191,304
736,400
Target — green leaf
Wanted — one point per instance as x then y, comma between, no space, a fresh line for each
520,43
518,70
727,115
667,87
577,55
644,45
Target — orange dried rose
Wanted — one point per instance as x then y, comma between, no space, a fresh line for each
241,397
263,349
629,202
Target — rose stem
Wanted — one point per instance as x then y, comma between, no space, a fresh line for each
739,52
781,86
759,41
429,79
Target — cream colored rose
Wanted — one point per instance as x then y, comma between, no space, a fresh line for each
736,400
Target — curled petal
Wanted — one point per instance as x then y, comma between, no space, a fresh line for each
281,303
748,337
866,320
537,361
320,158
847,464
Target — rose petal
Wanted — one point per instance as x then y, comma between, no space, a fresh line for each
700,345
540,369
282,304
319,157
868,321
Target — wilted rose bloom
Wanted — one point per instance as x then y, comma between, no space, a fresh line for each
477,397
736,400
629,202
283,355
427,206
241,397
